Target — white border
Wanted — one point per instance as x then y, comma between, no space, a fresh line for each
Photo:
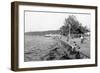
23,64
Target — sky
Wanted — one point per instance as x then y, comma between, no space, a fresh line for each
44,21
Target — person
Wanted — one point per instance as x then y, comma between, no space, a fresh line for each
76,50
82,39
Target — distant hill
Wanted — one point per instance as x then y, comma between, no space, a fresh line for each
43,32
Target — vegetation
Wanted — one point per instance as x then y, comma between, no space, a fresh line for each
73,26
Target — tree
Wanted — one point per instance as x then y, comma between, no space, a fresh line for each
73,25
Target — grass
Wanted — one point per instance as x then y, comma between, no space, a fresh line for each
85,46
38,46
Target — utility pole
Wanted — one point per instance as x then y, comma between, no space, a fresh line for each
69,33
